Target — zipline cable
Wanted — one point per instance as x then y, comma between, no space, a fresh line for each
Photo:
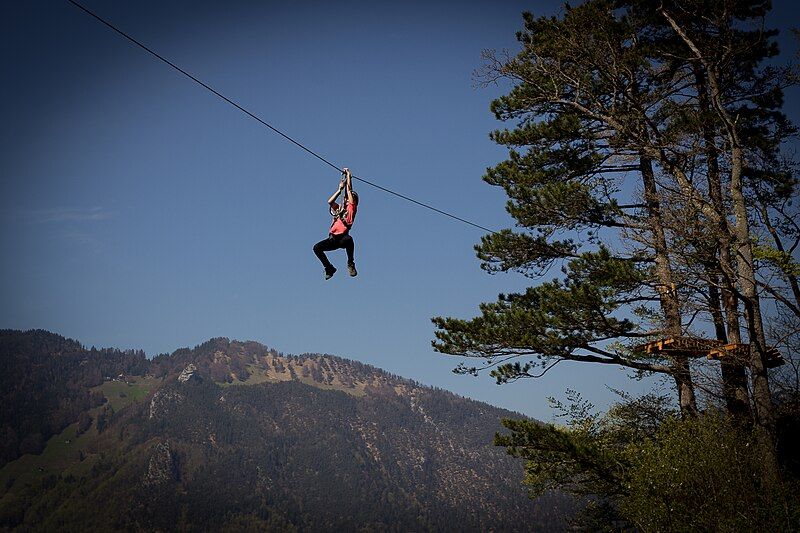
263,122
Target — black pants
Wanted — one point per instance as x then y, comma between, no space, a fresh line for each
334,242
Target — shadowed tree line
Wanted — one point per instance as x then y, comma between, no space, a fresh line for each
45,379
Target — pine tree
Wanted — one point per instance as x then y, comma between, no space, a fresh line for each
615,97
581,83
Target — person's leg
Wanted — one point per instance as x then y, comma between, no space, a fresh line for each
325,245
349,246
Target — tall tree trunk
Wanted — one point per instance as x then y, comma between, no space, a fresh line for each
734,376
745,271
733,368
762,396
667,292
746,278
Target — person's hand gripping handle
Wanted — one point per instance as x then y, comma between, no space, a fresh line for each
347,179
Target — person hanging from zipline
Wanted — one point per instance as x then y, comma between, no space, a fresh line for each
339,233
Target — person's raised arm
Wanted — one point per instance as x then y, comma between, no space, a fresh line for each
348,185
335,195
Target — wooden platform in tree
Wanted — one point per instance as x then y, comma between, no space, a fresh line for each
680,346
732,349
742,353
711,348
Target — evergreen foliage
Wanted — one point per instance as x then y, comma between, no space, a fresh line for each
640,465
46,381
626,170
706,474
652,201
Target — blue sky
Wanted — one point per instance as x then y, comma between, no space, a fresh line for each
140,211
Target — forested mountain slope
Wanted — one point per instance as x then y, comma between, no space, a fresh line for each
232,435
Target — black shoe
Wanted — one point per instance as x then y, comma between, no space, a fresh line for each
351,267
329,272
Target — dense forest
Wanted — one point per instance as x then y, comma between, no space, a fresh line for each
47,383
235,436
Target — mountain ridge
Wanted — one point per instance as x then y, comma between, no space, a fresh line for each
232,432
